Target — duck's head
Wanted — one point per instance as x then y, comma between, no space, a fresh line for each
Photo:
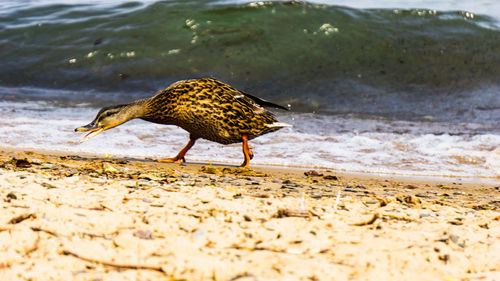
107,118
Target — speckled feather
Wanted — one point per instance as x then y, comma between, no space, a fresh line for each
210,109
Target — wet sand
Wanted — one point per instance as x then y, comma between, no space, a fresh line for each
69,217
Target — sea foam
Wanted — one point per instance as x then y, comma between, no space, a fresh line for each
348,143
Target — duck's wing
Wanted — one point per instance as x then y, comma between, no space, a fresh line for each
252,100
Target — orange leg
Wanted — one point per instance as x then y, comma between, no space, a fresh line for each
180,156
247,153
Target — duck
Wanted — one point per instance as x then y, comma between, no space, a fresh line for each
206,108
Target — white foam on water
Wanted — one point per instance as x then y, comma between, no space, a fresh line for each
348,144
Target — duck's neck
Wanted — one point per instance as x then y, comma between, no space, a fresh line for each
135,109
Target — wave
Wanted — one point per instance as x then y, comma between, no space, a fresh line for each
408,64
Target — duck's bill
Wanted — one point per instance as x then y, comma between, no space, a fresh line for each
92,134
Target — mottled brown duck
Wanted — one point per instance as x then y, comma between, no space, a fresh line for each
206,108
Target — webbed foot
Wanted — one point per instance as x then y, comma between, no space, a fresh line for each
172,160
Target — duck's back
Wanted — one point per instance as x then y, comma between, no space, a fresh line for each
210,109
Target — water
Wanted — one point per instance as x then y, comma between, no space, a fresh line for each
392,87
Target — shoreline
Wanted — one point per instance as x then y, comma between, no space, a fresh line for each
487,181
69,217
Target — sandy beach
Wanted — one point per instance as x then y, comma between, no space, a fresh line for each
69,217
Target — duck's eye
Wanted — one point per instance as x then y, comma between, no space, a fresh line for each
106,114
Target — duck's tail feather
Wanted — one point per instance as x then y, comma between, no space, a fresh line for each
279,125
